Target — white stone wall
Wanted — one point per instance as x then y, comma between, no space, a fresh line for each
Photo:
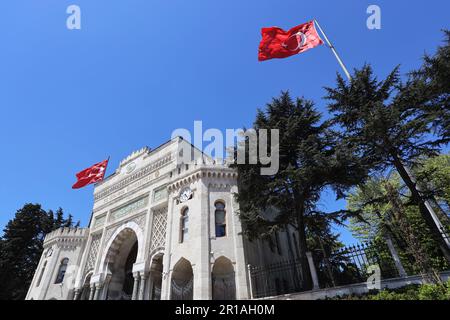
142,195
62,243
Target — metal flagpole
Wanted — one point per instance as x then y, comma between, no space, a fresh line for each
341,63
426,202
107,163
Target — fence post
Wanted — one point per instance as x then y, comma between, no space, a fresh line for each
249,268
394,254
313,271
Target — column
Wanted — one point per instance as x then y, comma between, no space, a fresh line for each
312,268
394,254
76,294
98,289
250,284
165,284
142,286
135,286
150,285
91,292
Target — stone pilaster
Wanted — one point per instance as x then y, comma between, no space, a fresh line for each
135,286
98,289
76,294
313,271
91,292
143,278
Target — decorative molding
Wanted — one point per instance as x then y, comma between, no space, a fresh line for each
99,221
154,166
134,155
213,171
160,194
159,227
109,232
219,186
93,252
139,219
129,208
129,191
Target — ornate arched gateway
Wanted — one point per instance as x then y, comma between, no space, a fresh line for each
132,248
121,256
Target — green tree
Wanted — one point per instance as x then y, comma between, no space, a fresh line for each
310,161
21,247
428,89
386,211
434,173
384,130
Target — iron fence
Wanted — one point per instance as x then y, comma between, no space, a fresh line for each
344,266
349,264
275,279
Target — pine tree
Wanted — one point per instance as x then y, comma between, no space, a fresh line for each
387,212
428,89
21,248
384,131
310,161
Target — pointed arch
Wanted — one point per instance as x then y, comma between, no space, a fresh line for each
182,282
223,279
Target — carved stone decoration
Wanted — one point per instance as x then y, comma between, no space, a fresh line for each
129,209
185,194
49,252
109,232
92,257
134,176
140,221
159,229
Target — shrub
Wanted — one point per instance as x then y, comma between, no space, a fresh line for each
410,292
434,292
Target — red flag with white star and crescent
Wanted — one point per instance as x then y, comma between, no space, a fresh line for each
90,175
277,43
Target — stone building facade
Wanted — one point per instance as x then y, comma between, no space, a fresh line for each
160,229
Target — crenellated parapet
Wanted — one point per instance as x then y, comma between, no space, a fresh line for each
66,237
212,169
134,155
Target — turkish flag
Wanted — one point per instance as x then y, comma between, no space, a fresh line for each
90,175
277,43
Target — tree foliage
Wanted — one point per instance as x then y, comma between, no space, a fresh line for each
379,219
428,89
382,123
310,161
21,247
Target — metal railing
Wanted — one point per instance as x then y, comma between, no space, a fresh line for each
275,279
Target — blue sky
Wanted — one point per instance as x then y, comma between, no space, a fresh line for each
139,69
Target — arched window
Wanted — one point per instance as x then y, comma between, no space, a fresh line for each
220,221
184,224
41,274
62,270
